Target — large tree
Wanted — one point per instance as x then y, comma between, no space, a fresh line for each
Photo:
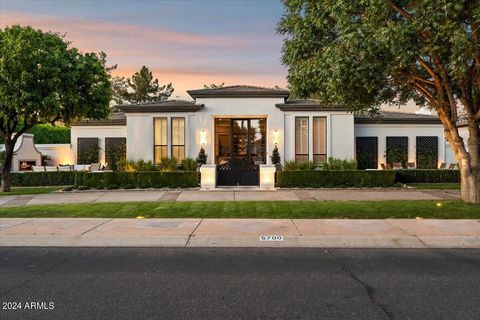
44,80
140,88
369,52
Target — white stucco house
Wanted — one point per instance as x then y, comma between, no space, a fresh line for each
239,126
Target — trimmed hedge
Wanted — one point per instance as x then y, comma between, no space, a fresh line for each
48,134
40,179
427,176
146,179
335,178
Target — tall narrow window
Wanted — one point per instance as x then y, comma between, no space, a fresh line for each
301,139
319,139
160,148
178,138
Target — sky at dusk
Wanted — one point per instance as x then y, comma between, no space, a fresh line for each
188,43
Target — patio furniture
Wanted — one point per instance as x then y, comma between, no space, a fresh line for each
443,165
81,167
94,167
411,165
452,166
51,168
397,165
64,168
38,168
383,166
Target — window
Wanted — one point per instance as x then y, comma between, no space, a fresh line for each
178,138
160,148
301,139
319,139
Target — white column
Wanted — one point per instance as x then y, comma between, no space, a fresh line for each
208,176
267,176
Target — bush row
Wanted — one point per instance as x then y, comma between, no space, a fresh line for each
330,179
39,179
114,180
427,176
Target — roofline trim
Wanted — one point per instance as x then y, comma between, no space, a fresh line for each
266,94
397,121
309,107
160,108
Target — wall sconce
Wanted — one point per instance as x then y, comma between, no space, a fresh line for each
276,137
203,137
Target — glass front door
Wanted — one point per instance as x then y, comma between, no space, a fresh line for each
240,147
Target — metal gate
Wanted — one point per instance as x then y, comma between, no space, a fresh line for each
238,173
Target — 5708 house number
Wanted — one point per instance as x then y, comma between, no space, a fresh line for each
28,305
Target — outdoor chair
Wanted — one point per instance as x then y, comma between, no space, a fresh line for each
51,168
397,165
383,166
38,168
64,168
94,167
411,165
443,165
452,166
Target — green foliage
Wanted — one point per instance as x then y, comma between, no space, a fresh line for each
395,154
426,158
143,179
47,134
89,155
290,166
37,179
427,176
168,164
335,178
202,157
44,80
115,156
140,88
275,156
362,54
140,165
339,164
188,164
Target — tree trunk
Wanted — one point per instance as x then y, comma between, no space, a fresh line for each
7,165
470,185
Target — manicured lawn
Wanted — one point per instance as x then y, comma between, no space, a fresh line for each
445,186
29,190
260,209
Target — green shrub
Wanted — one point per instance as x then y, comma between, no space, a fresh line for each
290,166
202,157
427,176
48,134
168,164
89,155
188,164
38,179
142,179
307,165
339,164
335,178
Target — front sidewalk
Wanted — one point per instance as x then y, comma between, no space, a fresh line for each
146,195
339,233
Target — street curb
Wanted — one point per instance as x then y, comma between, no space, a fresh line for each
205,241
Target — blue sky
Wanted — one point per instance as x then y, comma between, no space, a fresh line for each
188,43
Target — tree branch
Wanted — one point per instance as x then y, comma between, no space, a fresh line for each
400,10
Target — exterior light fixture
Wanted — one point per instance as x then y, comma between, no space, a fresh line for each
203,137
276,137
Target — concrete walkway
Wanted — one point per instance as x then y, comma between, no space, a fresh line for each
338,233
228,195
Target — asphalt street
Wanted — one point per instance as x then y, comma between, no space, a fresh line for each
227,283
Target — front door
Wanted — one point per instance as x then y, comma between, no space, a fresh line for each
240,147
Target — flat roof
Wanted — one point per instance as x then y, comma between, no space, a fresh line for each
239,91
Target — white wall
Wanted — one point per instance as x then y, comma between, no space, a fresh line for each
340,134
100,132
60,153
450,157
139,133
235,107
382,131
